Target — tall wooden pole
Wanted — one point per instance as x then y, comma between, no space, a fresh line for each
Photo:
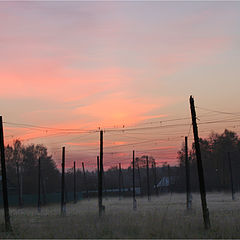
4,180
231,175
148,182
100,173
63,203
119,181
188,191
200,167
39,185
74,183
134,197
85,180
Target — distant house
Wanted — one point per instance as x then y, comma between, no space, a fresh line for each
164,184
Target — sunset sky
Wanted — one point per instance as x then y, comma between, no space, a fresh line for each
68,69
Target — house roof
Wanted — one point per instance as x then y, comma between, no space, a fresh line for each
164,182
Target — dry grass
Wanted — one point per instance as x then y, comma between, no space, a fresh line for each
162,217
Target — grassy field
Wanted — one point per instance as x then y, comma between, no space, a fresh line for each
162,217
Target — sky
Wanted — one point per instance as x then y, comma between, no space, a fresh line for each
68,69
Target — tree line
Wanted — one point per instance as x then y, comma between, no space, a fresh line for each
215,152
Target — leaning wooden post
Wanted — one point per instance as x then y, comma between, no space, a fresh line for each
148,183
231,175
74,183
63,203
188,191
100,174
39,185
4,180
134,197
200,167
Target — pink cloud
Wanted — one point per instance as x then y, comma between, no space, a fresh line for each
119,109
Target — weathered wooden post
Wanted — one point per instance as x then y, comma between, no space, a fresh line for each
63,203
200,167
101,207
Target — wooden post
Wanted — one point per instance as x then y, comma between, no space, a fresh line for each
19,186
188,191
134,197
148,182
119,181
74,183
85,180
100,174
231,175
4,180
200,167
63,203
39,185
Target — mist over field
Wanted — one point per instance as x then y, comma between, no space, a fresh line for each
162,217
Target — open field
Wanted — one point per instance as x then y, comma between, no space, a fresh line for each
163,217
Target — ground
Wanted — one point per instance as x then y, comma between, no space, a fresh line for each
164,216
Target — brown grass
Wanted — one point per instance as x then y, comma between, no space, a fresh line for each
163,217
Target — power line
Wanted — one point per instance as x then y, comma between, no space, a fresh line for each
36,127
221,112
